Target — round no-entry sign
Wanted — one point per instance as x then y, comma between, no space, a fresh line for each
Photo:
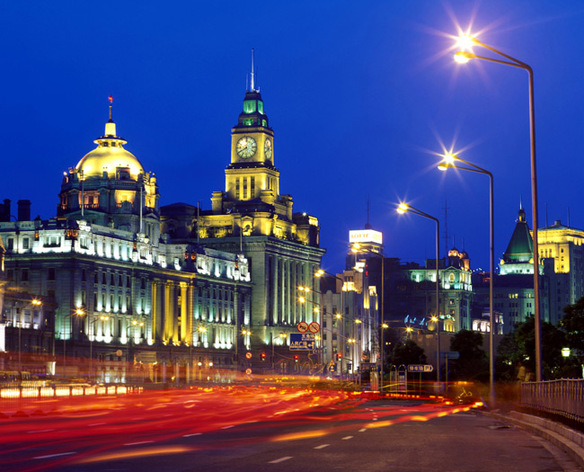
302,327
314,327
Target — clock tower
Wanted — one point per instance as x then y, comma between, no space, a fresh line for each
251,217
251,175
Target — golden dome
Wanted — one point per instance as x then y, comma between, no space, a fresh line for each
108,156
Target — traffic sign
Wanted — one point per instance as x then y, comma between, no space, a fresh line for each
421,368
301,342
302,327
450,355
248,355
314,327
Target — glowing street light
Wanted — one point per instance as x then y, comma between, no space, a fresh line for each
407,208
464,57
451,161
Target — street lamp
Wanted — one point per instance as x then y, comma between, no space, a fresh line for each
406,208
77,312
450,161
464,57
35,302
92,326
357,249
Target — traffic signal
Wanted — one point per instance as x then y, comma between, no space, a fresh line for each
339,356
263,356
295,357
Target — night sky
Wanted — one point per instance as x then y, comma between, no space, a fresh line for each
360,95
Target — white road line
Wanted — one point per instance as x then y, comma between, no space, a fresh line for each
347,437
97,424
322,446
362,430
281,459
227,427
138,443
40,431
55,455
193,434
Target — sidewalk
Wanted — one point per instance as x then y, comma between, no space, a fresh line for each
567,439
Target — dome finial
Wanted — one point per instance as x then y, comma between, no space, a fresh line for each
110,126
111,102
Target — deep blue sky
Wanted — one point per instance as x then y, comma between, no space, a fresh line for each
359,95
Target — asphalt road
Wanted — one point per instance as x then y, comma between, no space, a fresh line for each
377,435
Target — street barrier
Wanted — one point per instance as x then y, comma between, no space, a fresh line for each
564,397
19,399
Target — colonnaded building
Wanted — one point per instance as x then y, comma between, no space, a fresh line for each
122,294
172,286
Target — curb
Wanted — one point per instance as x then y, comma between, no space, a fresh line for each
567,439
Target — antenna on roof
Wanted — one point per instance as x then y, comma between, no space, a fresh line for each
569,222
367,225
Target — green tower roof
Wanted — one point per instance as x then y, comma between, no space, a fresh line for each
520,248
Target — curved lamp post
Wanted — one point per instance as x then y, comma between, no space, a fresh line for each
406,208
464,57
451,161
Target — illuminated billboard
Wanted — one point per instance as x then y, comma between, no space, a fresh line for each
364,236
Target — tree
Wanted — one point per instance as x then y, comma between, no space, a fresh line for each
519,347
407,353
473,361
572,324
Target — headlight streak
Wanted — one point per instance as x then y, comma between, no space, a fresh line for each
191,412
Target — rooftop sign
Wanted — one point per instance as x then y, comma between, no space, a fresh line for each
366,236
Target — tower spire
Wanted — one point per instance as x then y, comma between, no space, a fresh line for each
111,102
252,76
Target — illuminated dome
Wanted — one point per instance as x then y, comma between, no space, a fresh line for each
109,156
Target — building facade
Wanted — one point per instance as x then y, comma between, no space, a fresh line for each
251,217
124,296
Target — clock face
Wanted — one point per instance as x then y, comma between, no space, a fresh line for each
268,149
246,147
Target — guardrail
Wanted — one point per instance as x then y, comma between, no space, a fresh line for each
564,397
20,399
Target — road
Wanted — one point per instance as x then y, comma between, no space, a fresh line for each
265,431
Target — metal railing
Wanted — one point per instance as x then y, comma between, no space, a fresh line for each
564,397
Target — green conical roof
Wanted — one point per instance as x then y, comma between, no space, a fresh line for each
520,248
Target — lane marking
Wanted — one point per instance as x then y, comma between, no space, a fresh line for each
227,427
347,437
322,446
40,431
138,443
55,455
362,430
192,434
281,459
97,424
